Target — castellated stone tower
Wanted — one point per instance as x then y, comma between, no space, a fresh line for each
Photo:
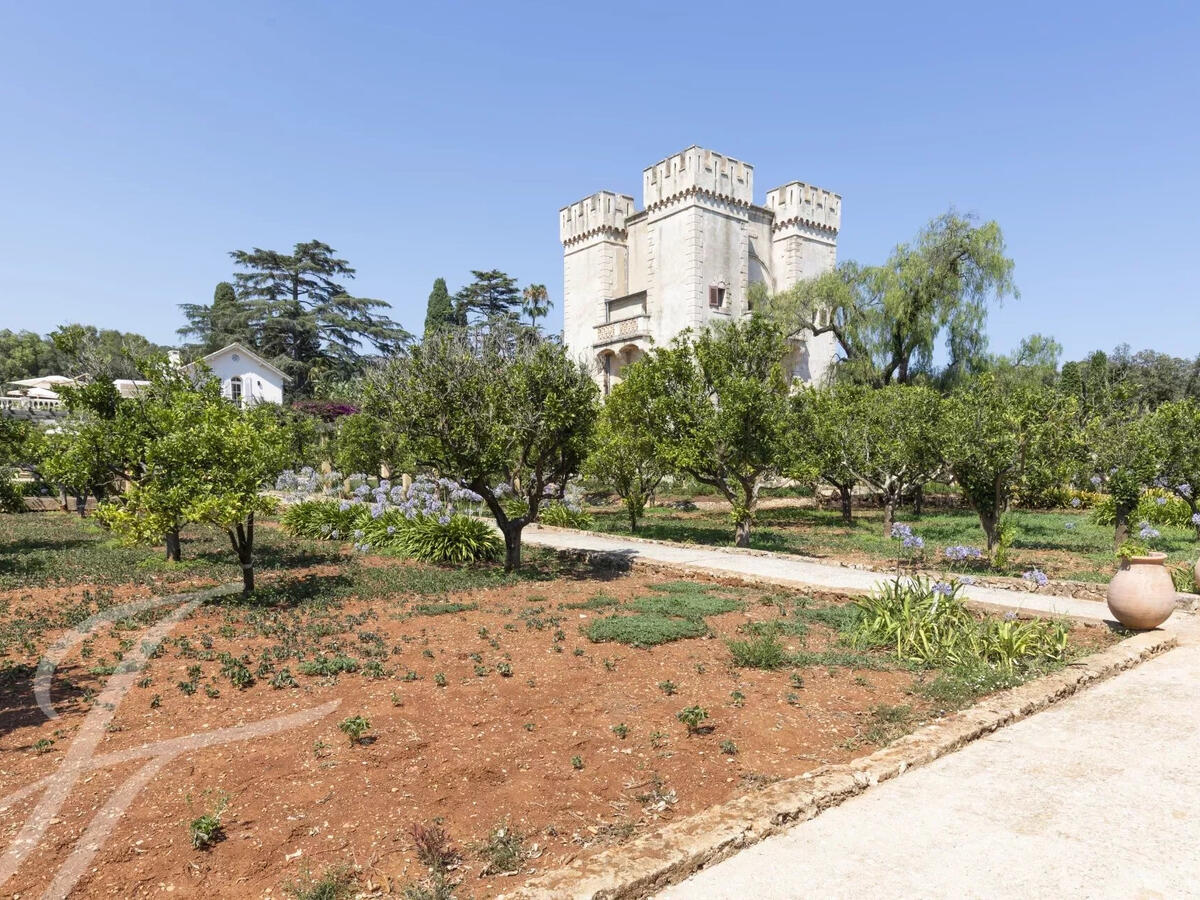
636,278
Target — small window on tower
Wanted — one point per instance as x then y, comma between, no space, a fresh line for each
716,296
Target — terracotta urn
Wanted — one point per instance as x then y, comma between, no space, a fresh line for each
1141,595
1197,571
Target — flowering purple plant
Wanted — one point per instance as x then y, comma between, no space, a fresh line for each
1037,576
1184,490
1196,519
942,587
1076,503
1147,532
961,552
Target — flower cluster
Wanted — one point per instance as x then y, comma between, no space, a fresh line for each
1037,576
942,587
437,498
1184,490
1196,519
1076,503
904,534
1147,532
1095,480
961,552
1070,526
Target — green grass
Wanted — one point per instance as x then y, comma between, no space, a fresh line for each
644,629
1082,553
690,599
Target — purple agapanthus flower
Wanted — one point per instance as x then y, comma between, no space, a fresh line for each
1147,532
1037,576
942,587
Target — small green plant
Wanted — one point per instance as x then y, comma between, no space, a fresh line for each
283,679
42,745
668,687
797,680
529,726
188,687
576,762
737,698
320,749
658,739
505,669
206,829
396,699
504,850
692,717
621,730
439,678
481,670
729,748
354,727
156,701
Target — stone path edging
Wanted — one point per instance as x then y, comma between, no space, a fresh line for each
674,852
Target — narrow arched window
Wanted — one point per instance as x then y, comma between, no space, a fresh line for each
235,389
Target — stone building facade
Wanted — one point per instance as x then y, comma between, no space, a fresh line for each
636,278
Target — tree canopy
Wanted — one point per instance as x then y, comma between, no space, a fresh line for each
502,412
887,319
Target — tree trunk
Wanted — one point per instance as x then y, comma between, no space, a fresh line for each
1121,532
846,493
918,500
243,546
889,514
172,541
991,530
512,546
631,507
741,536
81,505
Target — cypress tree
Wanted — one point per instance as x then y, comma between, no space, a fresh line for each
439,313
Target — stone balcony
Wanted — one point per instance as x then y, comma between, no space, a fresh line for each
622,330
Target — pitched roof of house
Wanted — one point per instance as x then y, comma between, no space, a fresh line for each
242,348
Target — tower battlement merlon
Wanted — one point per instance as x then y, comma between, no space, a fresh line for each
805,204
697,170
603,212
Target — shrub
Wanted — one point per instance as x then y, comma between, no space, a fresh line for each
561,515
461,539
928,624
433,846
323,519
504,849
1156,506
12,497
354,727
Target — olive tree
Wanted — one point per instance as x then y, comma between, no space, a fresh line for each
999,439
623,456
718,403
893,442
498,410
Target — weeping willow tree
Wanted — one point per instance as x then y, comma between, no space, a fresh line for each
887,320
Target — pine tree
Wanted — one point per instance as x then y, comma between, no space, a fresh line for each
439,313
219,325
492,295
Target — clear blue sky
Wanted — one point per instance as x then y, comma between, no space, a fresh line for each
143,141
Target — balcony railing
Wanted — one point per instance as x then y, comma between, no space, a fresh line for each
29,404
622,330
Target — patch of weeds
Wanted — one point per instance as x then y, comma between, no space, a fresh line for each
737,698
335,883
503,851
796,680
843,659
763,651
686,600
755,781
577,762
644,629
840,617
621,730
658,739
600,601
505,669
283,679
729,748
439,678
888,723
961,686
433,846
41,745
156,701
668,687
442,609
329,665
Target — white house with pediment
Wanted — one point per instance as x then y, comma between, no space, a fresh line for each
246,378
636,278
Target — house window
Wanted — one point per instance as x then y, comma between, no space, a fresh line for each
235,389
716,296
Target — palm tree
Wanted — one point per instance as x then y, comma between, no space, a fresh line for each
535,302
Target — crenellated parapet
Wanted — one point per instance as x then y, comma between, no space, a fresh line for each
602,214
697,171
797,203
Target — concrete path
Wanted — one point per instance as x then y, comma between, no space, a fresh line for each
1096,797
793,570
